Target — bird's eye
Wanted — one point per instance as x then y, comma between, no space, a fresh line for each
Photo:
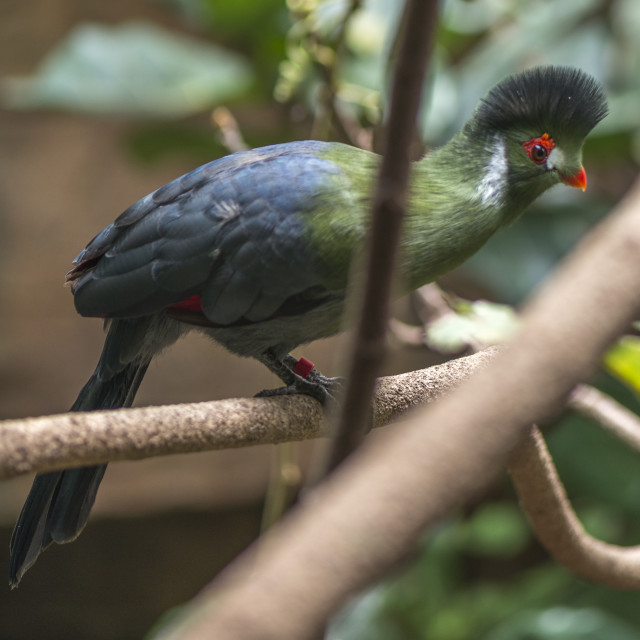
538,153
539,148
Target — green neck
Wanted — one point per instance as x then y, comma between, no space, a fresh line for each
458,198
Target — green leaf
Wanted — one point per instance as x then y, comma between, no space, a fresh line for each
498,530
623,361
564,623
134,68
484,323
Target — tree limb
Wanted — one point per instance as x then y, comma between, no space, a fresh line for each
81,438
556,525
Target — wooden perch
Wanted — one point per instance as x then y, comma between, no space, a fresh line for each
77,439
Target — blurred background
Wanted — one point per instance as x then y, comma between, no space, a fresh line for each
102,102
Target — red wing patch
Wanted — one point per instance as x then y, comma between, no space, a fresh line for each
194,303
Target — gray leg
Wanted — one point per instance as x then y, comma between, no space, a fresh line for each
314,384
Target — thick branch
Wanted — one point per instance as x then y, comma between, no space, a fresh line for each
543,498
373,509
76,439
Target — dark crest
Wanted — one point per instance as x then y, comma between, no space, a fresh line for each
543,98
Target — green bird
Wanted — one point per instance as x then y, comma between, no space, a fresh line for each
254,250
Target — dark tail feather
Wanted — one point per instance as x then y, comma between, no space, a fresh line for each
58,505
56,510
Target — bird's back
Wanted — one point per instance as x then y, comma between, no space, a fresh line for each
247,233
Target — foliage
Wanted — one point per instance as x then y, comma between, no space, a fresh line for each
479,322
135,68
623,361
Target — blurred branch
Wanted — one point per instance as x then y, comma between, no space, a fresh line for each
367,515
369,342
408,335
77,439
285,480
556,525
228,130
598,406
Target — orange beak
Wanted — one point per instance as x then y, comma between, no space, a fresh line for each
579,181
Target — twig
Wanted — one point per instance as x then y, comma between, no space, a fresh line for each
285,480
228,129
598,406
408,335
77,439
369,343
556,525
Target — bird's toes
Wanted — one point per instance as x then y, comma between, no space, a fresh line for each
280,391
326,391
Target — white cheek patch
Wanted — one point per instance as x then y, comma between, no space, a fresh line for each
491,189
555,159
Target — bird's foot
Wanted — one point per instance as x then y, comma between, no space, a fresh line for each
301,376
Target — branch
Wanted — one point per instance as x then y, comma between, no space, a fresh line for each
82,438
225,124
556,525
615,418
369,342
368,514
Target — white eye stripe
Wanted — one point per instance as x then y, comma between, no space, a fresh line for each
494,181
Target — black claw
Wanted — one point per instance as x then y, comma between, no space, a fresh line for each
324,390
280,391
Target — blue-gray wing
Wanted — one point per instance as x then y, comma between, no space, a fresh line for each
233,232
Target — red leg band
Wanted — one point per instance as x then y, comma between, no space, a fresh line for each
304,367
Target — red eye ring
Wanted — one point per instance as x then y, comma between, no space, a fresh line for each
538,149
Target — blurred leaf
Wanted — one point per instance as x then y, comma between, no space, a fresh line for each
360,78
623,361
510,35
480,322
498,530
595,467
237,18
416,606
564,623
135,68
155,142
514,261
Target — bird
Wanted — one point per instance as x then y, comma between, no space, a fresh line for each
254,249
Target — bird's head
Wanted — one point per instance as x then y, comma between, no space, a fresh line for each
533,125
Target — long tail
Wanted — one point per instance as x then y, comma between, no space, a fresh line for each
59,502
